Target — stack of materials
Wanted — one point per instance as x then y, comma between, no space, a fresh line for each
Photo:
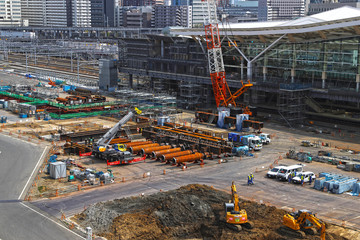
334,183
355,189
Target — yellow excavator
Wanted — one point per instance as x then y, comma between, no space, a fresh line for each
298,223
236,217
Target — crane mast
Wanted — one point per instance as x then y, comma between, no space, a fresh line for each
223,96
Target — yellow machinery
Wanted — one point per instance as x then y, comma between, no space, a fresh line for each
119,147
301,222
236,217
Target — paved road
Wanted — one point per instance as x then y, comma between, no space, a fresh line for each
20,220
332,207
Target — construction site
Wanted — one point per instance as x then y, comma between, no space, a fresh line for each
188,134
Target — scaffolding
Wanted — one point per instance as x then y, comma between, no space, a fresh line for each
291,102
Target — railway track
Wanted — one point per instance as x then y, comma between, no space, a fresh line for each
55,63
43,73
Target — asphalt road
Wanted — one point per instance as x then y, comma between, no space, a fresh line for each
331,207
20,220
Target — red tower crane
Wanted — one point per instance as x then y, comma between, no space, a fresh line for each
222,93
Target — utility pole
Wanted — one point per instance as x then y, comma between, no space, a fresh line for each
78,67
26,62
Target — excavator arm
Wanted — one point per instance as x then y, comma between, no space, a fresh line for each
235,197
317,223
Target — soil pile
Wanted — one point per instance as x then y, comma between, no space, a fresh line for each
190,212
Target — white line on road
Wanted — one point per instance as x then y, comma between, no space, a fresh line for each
52,220
32,172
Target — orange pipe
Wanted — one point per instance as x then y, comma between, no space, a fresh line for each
169,156
188,158
137,149
156,154
133,144
151,149
119,140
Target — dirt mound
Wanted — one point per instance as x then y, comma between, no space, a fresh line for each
190,212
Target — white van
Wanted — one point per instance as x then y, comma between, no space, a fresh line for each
284,172
273,172
297,178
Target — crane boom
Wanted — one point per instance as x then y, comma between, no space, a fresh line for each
222,93
105,140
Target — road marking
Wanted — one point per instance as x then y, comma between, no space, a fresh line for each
33,172
52,220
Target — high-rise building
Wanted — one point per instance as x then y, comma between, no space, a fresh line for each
138,18
198,13
10,13
322,6
240,11
32,11
81,13
153,2
67,13
166,16
181,2
124,3
280,10
102,13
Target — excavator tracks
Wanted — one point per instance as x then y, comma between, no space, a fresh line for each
292,233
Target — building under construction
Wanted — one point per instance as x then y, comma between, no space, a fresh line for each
305,68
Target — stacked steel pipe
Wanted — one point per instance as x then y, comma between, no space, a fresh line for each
149,150
167,157
158,153
137,149
188,158
133,144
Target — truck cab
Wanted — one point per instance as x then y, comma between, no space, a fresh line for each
252,141
265,138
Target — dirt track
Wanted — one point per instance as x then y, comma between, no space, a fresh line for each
193,211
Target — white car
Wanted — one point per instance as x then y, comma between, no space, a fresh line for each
274,172
297,178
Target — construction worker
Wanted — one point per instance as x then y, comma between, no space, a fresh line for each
290,177
251,179
302,180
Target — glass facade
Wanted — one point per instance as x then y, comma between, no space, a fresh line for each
335,61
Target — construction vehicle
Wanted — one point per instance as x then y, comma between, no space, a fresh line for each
306,143
236,217
252,141
222,93
298,223
265,138
104,151
119,147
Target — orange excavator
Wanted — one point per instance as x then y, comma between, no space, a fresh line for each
298,223
236,217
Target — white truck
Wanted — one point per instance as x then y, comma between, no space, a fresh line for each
265,138
254,142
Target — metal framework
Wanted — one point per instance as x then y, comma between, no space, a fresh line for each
222,93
